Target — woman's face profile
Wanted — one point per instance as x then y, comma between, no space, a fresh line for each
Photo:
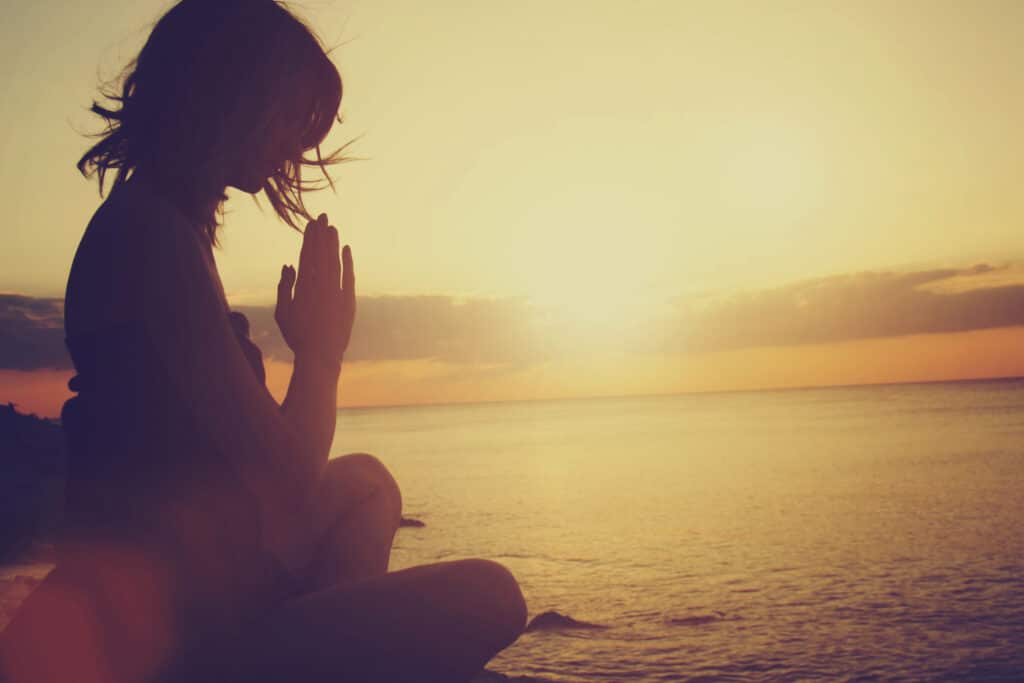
263,155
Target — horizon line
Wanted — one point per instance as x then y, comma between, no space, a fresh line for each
772,389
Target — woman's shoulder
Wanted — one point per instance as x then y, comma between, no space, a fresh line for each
135,240
132,210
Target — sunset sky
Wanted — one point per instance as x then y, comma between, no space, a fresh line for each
593,198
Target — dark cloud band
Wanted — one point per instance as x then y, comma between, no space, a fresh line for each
511,331
846,308
32,333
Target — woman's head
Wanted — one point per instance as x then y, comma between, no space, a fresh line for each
224,93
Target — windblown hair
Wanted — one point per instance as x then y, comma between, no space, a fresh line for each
216,77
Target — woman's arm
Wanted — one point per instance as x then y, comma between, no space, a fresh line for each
311,402
316,322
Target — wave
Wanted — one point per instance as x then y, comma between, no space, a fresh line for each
700,619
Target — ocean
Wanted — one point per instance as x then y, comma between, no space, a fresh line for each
864,533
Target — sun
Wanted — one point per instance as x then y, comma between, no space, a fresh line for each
587,299
589,269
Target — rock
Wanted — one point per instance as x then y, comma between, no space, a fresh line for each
553,621
33,469
12,593
29,582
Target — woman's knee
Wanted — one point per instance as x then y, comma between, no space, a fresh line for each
362,476
500,597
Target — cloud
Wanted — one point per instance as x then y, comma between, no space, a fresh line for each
421,327
483,331
845,308
512,333
32,333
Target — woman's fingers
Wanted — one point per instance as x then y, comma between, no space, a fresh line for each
331,255
307,258
348,278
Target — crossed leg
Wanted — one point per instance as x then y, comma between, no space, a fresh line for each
438,623
356,622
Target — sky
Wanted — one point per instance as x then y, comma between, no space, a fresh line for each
558,199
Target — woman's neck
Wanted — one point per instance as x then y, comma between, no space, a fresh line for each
197,201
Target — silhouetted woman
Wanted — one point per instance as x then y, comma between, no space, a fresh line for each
208,536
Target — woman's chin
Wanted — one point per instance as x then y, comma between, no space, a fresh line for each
250,185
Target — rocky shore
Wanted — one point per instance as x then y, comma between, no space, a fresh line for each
33,466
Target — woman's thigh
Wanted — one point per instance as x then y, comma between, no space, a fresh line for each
439,622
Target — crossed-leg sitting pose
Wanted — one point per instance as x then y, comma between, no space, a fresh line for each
438,622
208,536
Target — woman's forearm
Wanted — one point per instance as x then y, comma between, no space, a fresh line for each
311,405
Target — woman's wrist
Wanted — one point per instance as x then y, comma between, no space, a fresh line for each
318,363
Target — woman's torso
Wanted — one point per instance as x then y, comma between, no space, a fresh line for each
140,463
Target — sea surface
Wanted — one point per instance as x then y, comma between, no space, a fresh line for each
870,533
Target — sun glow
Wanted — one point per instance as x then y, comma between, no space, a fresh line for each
591,301
591,287
590,264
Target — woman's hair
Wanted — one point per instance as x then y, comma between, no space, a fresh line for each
217,77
